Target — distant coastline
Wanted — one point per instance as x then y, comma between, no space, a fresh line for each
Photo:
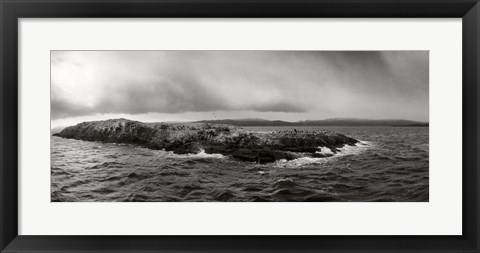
253,122
325,122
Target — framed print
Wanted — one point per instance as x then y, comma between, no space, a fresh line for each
265,158
239,126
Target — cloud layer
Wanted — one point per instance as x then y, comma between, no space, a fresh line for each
316,84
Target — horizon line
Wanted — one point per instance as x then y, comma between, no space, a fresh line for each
261,119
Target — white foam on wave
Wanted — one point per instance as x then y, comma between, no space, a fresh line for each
344,151
353,150
325,150
200,155
283,163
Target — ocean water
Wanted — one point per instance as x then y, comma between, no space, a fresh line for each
389,164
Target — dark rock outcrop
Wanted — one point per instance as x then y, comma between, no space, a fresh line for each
223,139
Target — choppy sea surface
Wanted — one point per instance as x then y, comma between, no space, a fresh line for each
389,164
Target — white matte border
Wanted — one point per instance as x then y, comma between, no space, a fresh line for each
441,216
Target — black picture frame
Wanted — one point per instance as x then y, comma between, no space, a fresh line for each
12,10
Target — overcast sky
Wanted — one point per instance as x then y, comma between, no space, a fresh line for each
196,85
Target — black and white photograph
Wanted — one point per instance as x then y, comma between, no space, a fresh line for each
239,126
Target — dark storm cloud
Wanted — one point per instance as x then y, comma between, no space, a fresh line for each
166,96
63,109
321,83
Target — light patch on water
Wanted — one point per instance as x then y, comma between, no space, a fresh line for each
262,132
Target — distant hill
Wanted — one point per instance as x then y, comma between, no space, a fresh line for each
325,122
248,122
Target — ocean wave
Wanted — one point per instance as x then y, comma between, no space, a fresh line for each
355,149
344,151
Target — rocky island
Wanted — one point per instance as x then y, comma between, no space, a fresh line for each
228,140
